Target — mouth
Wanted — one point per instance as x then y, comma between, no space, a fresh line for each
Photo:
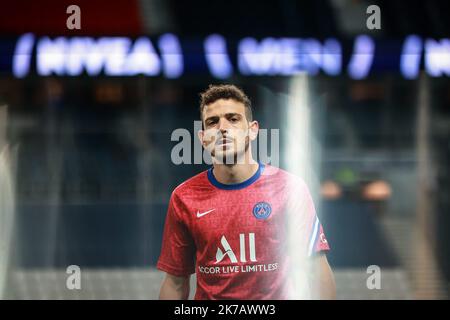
223,141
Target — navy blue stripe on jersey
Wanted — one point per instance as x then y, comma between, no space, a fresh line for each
235,186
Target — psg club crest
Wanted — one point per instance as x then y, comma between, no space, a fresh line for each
262,210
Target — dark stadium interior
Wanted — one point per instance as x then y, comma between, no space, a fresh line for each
94,172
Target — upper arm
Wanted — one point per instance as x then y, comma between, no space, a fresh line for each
176,281
322,279
178,249
175,287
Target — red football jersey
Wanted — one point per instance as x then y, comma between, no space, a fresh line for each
240,239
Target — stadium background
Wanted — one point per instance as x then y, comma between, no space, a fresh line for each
85,161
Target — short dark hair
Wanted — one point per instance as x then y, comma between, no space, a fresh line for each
225,91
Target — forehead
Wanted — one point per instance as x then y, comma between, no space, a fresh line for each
223,106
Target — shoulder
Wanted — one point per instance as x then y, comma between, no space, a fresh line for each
185,196
191,186
284,177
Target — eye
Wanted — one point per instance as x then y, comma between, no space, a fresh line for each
234,119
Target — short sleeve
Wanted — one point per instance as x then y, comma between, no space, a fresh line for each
305,228
178,249
317,241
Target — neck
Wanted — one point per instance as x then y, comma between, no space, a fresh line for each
236,173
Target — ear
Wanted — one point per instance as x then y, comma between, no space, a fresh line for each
200,135
253,130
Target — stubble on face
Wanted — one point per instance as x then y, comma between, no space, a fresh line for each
234,150
228,158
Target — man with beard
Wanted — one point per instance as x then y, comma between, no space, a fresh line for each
247,229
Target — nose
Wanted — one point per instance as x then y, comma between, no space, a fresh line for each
223,125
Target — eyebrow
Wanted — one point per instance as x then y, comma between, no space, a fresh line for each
228,115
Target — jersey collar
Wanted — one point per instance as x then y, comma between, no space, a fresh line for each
235,186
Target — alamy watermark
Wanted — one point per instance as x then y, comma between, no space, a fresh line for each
374,280
374,20
74,20
189,150
73,281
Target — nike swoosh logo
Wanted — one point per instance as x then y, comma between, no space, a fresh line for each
199,215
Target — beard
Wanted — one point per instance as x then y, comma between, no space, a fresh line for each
231,159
